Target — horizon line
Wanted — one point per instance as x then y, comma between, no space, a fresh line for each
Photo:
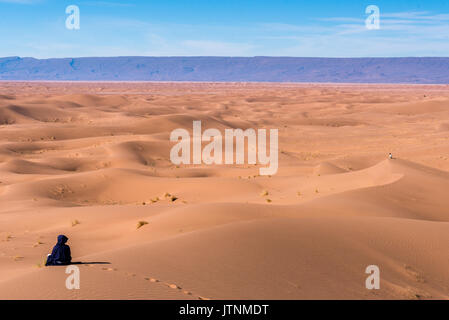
236,82
180,56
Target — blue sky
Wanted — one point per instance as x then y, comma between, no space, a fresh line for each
313,28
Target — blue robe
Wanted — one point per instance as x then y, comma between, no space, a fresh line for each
60,254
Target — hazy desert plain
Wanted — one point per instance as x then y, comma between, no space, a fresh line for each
92,161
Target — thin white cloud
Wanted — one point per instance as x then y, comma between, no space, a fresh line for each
401,34
414,15
21,1
341,19
107,4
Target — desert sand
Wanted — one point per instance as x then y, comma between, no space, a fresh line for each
91,161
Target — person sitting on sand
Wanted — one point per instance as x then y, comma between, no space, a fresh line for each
60,254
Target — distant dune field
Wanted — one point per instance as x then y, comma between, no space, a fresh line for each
91,160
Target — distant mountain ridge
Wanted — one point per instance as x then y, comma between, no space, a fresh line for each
426,70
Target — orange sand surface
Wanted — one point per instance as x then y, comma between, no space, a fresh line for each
91,160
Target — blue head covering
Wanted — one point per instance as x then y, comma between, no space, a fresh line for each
61,252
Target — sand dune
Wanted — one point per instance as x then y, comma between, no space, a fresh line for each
327,168
92,160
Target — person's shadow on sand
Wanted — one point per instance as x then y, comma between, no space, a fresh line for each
80,262
94,262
